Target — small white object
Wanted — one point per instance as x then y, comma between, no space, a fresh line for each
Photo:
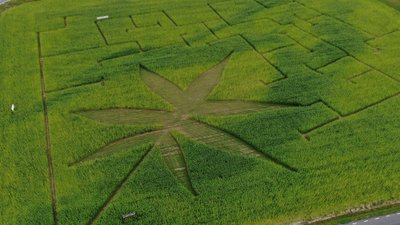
12,108
377,218
355,223
131,214
102,17
387,215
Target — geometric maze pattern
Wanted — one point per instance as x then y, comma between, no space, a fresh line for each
290,37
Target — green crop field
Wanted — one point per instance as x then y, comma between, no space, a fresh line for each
198,111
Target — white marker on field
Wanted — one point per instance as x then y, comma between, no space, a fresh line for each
102,17
131,214
12,108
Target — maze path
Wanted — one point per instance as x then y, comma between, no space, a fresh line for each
110,198
341,117
47,133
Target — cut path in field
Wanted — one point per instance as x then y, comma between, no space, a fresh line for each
340,117
47,133
118,189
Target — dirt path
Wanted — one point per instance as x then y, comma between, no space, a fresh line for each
47,132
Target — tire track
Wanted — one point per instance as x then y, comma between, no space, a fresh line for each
47,133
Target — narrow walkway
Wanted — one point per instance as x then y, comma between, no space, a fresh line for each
47,133
107,203
390,219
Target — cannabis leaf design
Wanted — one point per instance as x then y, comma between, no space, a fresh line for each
188,103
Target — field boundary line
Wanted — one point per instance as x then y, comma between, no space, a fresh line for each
47,133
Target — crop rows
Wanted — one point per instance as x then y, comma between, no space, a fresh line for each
307,96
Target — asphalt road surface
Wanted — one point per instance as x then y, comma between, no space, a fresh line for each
390,219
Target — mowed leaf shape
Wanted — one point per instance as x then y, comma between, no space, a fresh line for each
130,116
187,104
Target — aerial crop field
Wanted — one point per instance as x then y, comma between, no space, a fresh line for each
198,112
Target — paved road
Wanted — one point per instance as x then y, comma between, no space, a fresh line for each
390,219
3,1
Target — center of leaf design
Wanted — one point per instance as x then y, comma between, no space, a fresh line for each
187,104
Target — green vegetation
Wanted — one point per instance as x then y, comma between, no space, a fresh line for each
393,3
188,112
